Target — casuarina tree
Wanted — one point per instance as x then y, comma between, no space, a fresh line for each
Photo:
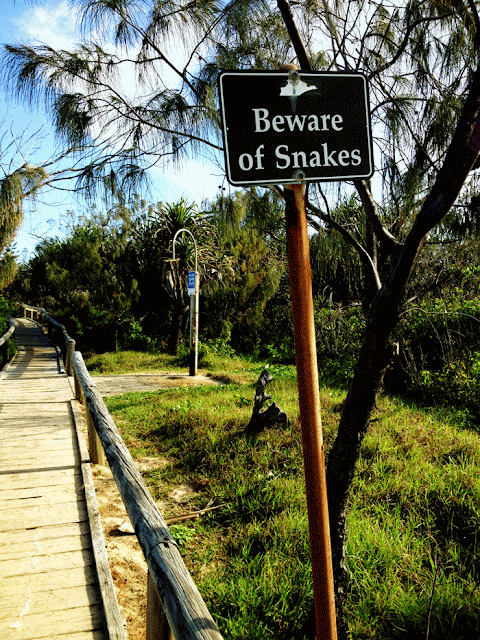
421,60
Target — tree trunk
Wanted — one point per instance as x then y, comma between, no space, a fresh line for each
353,427
375,356
178,323
381,320
260,420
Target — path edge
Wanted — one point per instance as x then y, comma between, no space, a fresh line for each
115,622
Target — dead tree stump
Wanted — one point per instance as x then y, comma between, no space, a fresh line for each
260,420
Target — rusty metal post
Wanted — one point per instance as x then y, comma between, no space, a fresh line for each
298,252
193,359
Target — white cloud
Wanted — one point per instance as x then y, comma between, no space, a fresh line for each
53,23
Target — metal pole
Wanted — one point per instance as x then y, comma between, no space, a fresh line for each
298,253
194,306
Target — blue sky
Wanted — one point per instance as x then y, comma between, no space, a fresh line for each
50,22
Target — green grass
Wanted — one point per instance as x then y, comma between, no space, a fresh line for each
118,362
414,527
236,370
413,553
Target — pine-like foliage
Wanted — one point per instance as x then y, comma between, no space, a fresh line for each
122,88
140,88
141,85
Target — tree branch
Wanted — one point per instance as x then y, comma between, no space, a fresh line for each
362,253
291,27
389,242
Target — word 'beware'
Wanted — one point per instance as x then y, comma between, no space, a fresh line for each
281,123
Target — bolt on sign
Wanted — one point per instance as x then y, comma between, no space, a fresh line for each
283,127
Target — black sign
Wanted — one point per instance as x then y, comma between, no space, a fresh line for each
284,127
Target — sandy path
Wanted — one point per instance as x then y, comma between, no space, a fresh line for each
119,384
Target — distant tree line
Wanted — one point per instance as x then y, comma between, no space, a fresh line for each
113,282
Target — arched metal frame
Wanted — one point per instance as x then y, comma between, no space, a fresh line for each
194,244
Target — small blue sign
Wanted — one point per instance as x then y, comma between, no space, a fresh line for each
191,283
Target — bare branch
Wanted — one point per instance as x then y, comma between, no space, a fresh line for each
362,253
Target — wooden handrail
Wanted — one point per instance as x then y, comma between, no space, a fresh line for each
172,594
69,342
8,334
183,605
4,343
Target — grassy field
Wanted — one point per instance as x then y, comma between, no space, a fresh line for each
413,554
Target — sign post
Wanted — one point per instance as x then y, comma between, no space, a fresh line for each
298,253
289,127
193,293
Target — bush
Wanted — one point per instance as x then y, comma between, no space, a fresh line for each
456,384
4,314
339,333
440,353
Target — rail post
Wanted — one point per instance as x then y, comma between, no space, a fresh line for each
157,623
78,388
95,447
70,348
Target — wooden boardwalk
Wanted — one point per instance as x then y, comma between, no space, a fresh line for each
49,585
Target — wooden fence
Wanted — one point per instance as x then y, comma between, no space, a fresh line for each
175,608
5,341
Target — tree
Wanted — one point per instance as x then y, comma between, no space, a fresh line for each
23,179
20,181
421,59
163,303
115,271
234,307
80,281
159,120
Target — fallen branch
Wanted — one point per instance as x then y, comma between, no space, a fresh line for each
191,516
126,528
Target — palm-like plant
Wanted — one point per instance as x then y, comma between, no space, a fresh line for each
151,255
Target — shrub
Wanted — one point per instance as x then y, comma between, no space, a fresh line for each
440,353
339,332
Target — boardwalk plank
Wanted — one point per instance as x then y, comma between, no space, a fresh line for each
33,496
46,547
29,539
74,577
34,517
44,477
34,460
55,561
54,600
44,625
48,572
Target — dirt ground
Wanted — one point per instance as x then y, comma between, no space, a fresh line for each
117,385
127,564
